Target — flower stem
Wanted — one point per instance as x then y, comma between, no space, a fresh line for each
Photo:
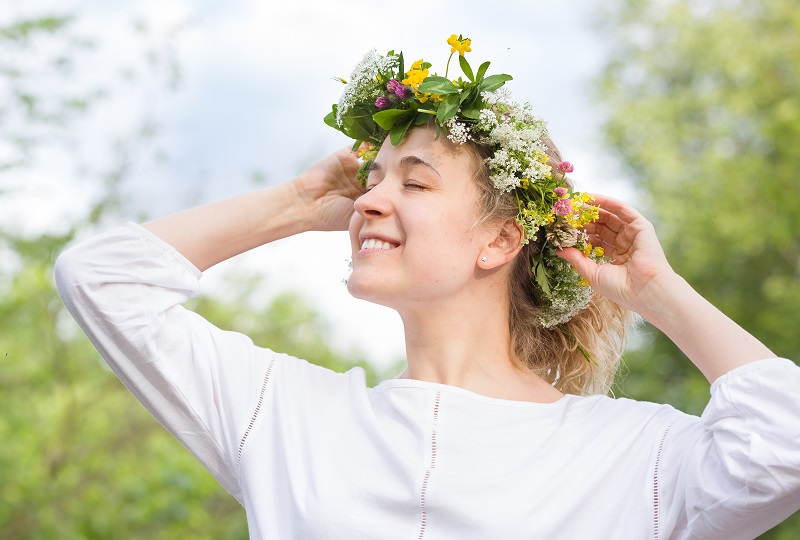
447,68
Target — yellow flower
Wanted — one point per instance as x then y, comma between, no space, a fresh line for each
457,43
367,151
524,183
583,283
415,75
427,95
599,252
587,249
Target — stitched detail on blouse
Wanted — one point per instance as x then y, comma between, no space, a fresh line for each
255,415
656,509
432,466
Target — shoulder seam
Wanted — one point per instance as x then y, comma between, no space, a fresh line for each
656,507
253,419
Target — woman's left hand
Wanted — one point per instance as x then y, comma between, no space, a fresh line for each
635,277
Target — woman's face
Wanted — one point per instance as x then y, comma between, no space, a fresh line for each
413,232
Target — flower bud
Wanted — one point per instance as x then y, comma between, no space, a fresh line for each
562,207
565,167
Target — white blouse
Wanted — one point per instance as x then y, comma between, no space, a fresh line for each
314,454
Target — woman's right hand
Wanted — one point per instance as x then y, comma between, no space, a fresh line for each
327,189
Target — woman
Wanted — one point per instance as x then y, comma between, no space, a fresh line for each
488,433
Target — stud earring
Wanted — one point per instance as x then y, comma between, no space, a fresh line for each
484,259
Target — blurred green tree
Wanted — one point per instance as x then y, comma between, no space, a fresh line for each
80,458
703,104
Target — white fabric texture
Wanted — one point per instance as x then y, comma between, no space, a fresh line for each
315,454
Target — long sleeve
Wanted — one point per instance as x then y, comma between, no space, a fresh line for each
124,288
736,473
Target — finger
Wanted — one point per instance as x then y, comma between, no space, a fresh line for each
583,264
601,231
608,247
612,221
621,239
624,211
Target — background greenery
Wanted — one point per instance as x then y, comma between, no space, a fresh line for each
703,104
703,108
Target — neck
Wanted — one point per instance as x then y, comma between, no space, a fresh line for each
466,342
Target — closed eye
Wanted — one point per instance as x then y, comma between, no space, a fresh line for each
415,186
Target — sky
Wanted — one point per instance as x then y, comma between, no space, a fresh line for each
244,109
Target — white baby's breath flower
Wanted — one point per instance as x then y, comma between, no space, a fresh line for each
458,132
564,307
501,95
364,85
487,120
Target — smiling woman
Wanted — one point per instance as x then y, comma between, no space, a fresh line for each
419,200
513,292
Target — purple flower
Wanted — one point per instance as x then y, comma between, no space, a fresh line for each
562,207
382,102
403,92
565,167
560,191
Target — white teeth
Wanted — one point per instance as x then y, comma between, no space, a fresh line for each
373,243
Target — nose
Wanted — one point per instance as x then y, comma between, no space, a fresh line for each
375,202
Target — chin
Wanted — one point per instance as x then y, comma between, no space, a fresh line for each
377,293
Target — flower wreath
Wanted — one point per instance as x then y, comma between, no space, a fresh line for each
383,99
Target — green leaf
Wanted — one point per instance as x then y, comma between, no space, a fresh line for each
482,71
469,96
493,82
447,108
471,113
399,131
330,118
420,119
388,118
465,67
358,124
401,68
437,85
543,279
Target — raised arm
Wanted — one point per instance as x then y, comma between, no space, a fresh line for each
641,279
321,198
125,289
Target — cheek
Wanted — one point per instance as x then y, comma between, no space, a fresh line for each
356,222
448,251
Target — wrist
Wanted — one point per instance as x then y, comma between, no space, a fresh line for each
663,300
296,204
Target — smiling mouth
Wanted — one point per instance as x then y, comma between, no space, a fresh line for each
374,243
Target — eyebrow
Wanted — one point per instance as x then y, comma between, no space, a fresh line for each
407,161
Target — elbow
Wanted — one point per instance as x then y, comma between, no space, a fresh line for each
72,275
64,274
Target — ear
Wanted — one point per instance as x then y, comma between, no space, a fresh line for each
502,246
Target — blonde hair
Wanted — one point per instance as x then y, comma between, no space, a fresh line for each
554,354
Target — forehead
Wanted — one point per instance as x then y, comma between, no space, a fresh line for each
421,144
